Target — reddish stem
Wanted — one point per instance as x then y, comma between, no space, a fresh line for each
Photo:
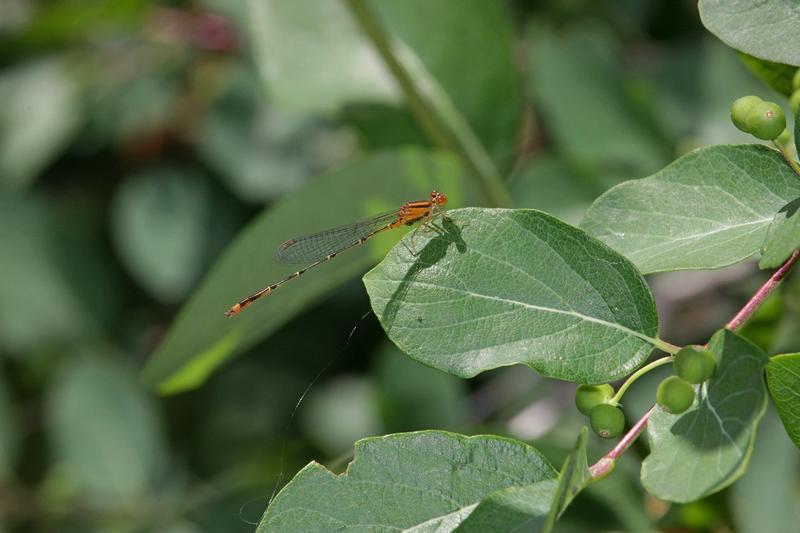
607,462
762,293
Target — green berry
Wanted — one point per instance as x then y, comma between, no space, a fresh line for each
766,121
607,420
785,138
796,80
740,110
794,100
589,396
675,395
694,364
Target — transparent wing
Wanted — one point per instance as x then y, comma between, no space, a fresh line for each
316,246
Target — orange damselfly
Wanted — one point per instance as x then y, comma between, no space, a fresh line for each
318,248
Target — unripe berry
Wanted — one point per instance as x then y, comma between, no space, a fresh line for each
785,138
794,100
796,80
589,396
766,121
694,364
740,110
607,420
675,395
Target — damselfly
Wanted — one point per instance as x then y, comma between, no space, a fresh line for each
318,248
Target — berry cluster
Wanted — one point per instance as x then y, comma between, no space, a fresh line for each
692,364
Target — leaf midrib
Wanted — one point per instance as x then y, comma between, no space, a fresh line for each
587,318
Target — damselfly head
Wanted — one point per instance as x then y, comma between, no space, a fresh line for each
438,198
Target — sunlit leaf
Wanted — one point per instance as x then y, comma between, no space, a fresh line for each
496,287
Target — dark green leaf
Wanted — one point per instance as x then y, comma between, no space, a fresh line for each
783,379
766,30
709,209
573,478
707,448
776,75
202,338
425,481
9,433
497,287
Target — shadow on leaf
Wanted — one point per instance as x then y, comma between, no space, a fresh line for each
433,252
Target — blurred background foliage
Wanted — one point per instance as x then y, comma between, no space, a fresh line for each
137,138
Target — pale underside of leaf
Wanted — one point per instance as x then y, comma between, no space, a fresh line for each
709,209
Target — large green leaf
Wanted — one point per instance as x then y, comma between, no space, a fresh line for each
424,481
496,287
709,209
202,338
767,30
312,57
105,430
707,448
488,93
783,379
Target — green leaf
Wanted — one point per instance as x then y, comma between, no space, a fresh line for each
707,448
776,75
202,338
709,209
496,287
105,429
536,507
783,379
160,220
40,115
766,30
424,480
580,91
312,57
783,236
